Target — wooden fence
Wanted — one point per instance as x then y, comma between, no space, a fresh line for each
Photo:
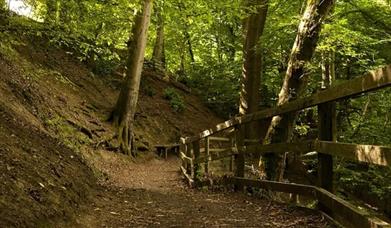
196,151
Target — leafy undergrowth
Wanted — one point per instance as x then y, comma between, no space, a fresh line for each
368,183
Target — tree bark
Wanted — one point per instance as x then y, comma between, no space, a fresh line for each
252,65
190,46
281,127
158,56
125,109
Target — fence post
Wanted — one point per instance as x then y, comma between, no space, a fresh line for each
232,159
327,132
196,166
182,148
239,172
189,166
207,155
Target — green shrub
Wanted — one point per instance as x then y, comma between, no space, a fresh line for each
176,101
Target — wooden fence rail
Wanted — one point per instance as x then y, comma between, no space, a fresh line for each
193,155
374,80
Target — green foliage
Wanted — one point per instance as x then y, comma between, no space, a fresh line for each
372,180
176,100
218,85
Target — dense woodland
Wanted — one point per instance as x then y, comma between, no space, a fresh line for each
239,56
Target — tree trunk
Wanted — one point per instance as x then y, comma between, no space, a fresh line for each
281,127
125,109
158,56
190,46
252,66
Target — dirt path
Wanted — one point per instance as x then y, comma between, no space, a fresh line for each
153,194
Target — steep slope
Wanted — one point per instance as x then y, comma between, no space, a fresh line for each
42,180
53,127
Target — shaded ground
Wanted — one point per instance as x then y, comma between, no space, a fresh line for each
153,194
41,180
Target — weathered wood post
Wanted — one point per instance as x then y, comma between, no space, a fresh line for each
327,132
196,166
182,149
207,153
232,158
327,127
189,153
239,161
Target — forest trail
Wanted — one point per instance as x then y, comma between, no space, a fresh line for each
153,194
54,114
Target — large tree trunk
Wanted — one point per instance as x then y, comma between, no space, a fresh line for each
125,109
252,66
158,56
281,127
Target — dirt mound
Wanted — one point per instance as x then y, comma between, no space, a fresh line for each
41,179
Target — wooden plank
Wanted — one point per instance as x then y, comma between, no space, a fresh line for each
300,189
218,150
296,147
190,166
373,80
239,160
327,131
167,145
187,176
378,155
223,139
347,214
213,157
182,150
196,166
218,128
232,157
184,157
207,154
